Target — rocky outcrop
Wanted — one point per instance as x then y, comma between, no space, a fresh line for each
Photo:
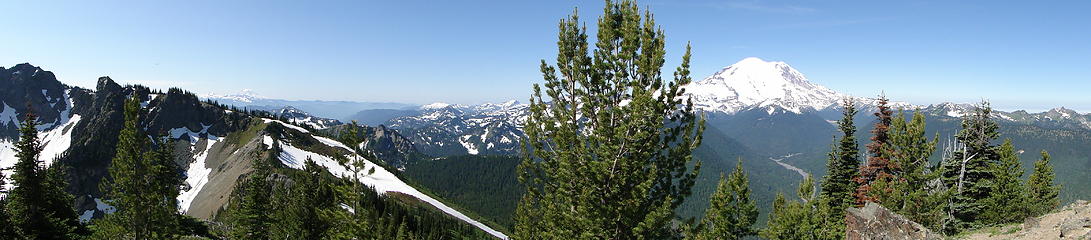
387,144
876,222
1070,222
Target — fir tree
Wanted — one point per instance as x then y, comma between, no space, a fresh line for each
1007,202
1041,192
352,224
878,165
731,213
798,219
844,160
608,148
5,218
253,220
142,185
37,210
913,192
967,171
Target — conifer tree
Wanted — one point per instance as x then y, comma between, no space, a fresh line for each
731,213
1008,201
838,186
142,185
967,171
608,148
1041,192
352,224
878,165
36,212
253,220
5,218
798,219
910,192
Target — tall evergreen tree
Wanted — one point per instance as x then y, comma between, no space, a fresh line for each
1041,191
838,186
968,171
731,213
878,165
1007,202
842,167
252,221
352,224
310,196
142,185
35,211
913,191
608,148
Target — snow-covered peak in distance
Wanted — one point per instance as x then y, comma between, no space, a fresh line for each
245,96
754,82
436,105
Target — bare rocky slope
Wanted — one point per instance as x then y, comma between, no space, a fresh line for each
876,222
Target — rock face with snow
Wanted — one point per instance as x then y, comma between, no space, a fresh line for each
446,129
300,117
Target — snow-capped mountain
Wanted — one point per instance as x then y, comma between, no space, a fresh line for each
770,86
756,83
300,117
448,129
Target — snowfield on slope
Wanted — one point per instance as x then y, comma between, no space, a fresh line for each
382,180
56,138
196,173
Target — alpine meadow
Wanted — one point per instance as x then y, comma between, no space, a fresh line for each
545,120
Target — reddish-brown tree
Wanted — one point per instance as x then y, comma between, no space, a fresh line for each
878,165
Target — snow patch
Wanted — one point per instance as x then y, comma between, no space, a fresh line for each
196,173
470,147
381,180
104,207
86,216
297,128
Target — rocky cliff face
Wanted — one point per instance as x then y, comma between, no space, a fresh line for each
876,222
387,144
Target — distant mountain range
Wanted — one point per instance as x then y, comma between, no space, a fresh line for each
329,109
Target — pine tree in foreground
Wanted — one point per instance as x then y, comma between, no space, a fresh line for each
878,165
838,186
731,213
968,170
142,185
914,192
608,147
5,218
352,224
802,219
1008,202
1041,192
252,221
37,203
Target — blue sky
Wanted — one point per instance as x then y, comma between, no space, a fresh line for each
1019,54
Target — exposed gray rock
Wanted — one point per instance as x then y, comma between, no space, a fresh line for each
876,222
